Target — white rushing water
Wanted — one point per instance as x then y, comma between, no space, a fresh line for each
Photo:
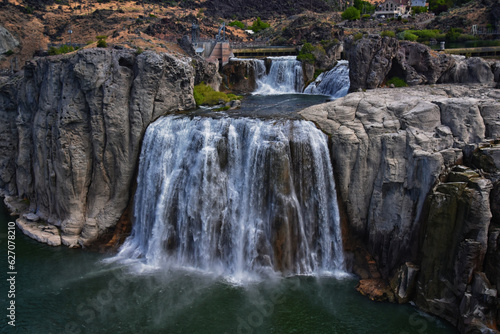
285,76
334,83
238,197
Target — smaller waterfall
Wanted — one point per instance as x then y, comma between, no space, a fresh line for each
284,77
334,82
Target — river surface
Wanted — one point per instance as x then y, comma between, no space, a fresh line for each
61,290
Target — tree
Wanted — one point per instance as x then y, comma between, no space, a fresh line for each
439,6
351,13
364,6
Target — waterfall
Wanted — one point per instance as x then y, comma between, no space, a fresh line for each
284,77
334,82
239,197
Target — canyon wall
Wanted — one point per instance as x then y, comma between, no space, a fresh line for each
399,156
73,127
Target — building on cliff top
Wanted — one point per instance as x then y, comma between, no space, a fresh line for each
393,8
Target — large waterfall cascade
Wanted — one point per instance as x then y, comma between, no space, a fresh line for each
285,76
239,197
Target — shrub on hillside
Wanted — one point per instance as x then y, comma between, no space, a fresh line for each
259,25
351,13
388,33
61,50
419,10
306,53
238,24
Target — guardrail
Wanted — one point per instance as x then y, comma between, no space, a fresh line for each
485,52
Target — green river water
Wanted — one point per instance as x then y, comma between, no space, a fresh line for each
61,290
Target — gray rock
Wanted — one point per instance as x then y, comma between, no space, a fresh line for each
80,122
370,60
7,41
390,149
468,70
31,217
45,233
374,60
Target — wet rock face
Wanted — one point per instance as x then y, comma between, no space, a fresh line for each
240,76
80,123
374,60
391,157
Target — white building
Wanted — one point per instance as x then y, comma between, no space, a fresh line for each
393,8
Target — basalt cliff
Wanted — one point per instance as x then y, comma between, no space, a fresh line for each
72,130
417,171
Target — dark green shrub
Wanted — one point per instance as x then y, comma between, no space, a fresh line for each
351,13
306,53
408,35
387,33
259,25
366,17
397,82
8,53
364,6
101,41
419,10
453,34
358,36
238,24
61,50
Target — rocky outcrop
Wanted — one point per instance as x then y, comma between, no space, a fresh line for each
392,151
417,64
7,41
240,75
370,60
206,72
374,59
451,283
80,122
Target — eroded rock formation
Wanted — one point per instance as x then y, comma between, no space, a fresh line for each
79,122
426,220
375,59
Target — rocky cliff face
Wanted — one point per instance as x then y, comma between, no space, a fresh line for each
394,161
79,122
374,60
